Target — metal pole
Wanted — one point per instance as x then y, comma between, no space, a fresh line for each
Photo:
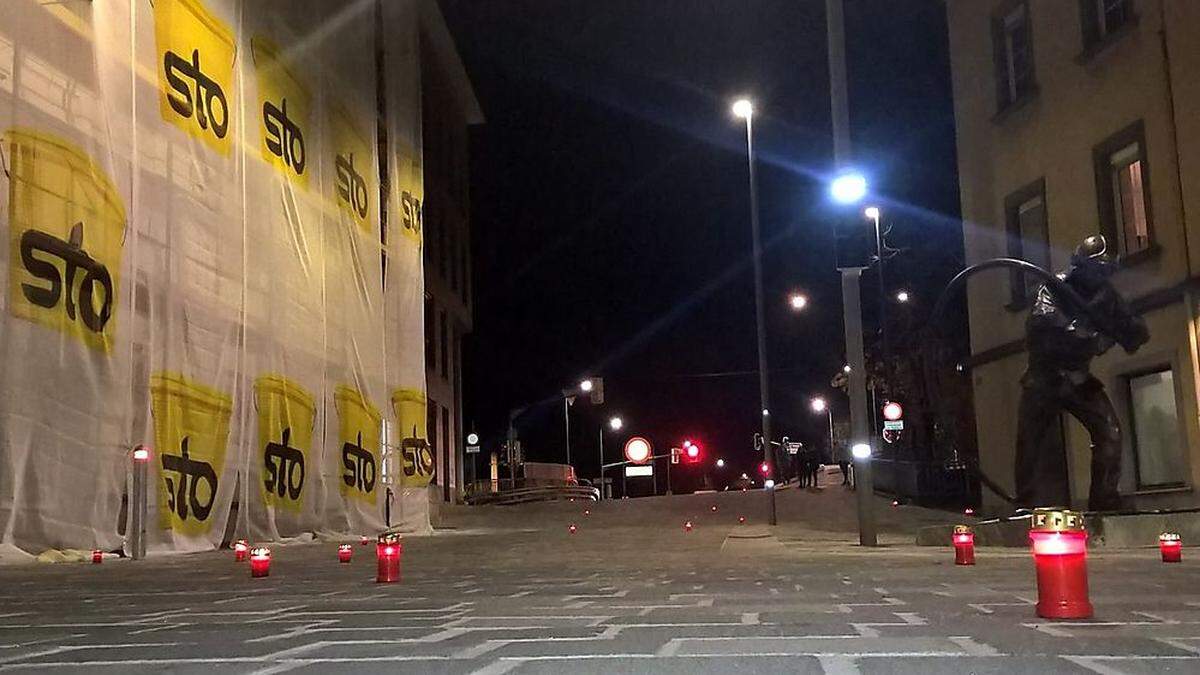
137,525
851,277
567,421
829,412
601,462
668,475
763,388
882,301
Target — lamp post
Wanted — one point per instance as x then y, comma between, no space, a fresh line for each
850,188
873,214
615,423
820,405
585,386
798,302
744,109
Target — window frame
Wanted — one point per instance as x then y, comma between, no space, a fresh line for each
1105,194
1094,40
1127,380
1019,297
1008,96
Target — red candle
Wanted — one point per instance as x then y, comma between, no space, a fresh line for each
571,528
964,545
345,551
364,541
387,558
97,556
1061,561
741,520
260,561
714,508
1171,546
240,547
687,526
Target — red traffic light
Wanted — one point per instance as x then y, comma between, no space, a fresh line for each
764,469
693,453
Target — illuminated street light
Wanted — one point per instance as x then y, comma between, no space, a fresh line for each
861,451
846,369
871,212
848,188
903,296
743,108
720,464
615,423
798,301
818,404
585,386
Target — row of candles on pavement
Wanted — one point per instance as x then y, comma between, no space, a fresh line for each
388,549
1059,543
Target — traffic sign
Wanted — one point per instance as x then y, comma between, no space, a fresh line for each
893,425
639,470
793,448
638,450
472,449
472,438
892,411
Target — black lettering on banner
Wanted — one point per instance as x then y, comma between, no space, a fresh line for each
72,254
281,462
182,494
284,138
351,186
411,207
418,460
207,91
360,466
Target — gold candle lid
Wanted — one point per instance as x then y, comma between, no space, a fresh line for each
1169,536
1057,519
963,529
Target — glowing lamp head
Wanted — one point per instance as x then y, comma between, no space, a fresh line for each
798,301
743,108
615,423
818,405
848,188
892,411
846,369
871,212
861,451
586,386
903,296
720,464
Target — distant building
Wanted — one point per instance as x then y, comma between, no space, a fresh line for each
448,108
1073,118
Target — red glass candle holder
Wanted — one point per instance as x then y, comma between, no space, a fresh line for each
345,552
1059,545
1170,545
240,549
687,526
964,545
97,557
260,561
571,528
387,558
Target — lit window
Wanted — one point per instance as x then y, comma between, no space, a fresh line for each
1129,198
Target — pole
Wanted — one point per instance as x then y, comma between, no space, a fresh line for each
668,475
882,300
567,422
602,462
829,413
851,277
137,525
760,320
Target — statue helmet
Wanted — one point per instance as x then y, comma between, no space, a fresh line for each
1095,246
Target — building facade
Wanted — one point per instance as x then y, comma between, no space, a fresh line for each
1077,117
449,108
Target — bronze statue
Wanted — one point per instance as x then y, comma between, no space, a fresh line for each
1062,341
1076,316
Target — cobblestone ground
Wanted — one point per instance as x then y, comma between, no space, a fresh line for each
525,596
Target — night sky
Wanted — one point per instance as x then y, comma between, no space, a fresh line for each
609,208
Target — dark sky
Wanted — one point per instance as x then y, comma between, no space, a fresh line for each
610,206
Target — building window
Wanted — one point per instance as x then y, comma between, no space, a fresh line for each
430,338
1102,18
1028,238
444,346
1012,45
1123,190
1157,447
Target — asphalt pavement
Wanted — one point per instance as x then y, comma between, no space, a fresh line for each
511,590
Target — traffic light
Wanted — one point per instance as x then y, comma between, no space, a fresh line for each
764,469
692,454
675,452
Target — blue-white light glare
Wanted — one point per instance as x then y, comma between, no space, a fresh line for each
848,188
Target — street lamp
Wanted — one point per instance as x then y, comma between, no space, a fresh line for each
744,109
820,405
846,369
798,301
585,386
615,423
720,464
848,188
903,296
